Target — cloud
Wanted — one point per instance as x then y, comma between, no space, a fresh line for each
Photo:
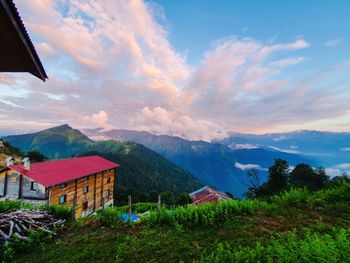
161,121
343,166
338,170
249,166
292,151
111,64
332,42
346,149
245,146
99,119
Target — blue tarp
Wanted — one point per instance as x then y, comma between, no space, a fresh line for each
133,217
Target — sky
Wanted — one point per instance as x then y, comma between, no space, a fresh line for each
195,69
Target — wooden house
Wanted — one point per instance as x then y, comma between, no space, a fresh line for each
85,183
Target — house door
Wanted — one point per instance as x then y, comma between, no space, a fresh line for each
12,186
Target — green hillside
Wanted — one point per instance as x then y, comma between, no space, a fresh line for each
7,150
141,169
295,226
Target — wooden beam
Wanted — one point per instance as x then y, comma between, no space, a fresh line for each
20,186
95,193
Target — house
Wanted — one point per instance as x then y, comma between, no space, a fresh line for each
208,194
85,183
17,52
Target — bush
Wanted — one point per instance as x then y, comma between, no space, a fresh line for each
109,216
9,205
61,212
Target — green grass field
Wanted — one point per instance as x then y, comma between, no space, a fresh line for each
296,226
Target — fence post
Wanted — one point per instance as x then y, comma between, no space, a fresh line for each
159,203
129,207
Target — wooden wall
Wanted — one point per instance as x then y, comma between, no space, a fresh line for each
96,196
2,182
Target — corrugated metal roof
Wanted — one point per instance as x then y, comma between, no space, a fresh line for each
55,172
208,194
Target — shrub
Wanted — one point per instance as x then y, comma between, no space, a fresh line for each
61,212
109,216
9,205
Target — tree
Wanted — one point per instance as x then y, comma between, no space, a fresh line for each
321,178
278,176
229,194
36,156
183,199
253,184
167,198
153,196
304,176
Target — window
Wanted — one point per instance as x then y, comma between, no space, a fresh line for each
33,186
86,178
62,199
108,180
85,205
108,192
85,189
63,185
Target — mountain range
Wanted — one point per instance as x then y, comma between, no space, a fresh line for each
214,164
177,164
141,168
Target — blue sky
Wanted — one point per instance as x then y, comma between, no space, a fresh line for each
195,25
195,69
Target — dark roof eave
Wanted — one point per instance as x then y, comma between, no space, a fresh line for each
16,20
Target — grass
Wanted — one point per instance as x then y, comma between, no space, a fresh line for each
296,226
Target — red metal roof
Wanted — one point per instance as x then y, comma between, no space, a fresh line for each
208,194
55,172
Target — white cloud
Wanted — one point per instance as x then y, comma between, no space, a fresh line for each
161,121
343,166
292,151
280,138
332,42
245,146
346,149
249,166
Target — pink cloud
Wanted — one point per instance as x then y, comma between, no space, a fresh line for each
115,56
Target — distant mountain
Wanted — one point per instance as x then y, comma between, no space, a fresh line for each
141,168
214,164
57,142
330,148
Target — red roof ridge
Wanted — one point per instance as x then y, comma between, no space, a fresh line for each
54,172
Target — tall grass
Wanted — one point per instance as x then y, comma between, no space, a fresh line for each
214,213
9,205
205,214
313,247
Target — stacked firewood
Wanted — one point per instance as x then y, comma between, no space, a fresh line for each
18,223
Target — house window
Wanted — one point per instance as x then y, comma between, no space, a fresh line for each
108,180
85,205
62,199
85,189
63,185
108,192
33,186
86,178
